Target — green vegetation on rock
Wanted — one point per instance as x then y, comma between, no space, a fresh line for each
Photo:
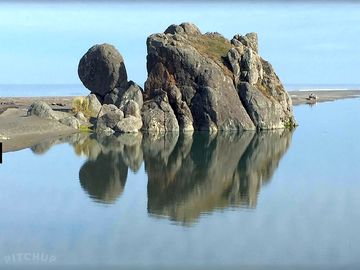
213,46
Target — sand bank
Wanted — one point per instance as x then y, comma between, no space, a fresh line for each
300,97
18,131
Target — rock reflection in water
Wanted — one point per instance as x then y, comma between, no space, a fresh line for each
188,174
204,173
103,176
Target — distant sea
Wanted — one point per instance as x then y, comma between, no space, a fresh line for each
38,90
321,87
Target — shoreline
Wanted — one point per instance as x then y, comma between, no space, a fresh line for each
64,102
18,131
300,97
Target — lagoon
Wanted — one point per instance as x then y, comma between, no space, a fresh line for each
267,199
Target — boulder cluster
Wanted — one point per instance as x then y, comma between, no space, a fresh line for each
102,71
195,82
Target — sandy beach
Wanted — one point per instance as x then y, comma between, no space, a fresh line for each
19,131
301,97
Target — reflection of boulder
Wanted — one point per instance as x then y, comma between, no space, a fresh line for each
43,147
103,176
188,173
226,170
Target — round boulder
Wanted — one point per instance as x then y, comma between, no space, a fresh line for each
102,69
70,121
43,110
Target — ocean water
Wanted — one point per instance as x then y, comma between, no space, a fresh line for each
33,90
269,200
40,90
321,87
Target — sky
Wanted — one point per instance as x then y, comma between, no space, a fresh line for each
306,42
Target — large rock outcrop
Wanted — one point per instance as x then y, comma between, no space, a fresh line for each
195,82
213,83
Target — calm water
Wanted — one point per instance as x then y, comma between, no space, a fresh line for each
271,199
39,90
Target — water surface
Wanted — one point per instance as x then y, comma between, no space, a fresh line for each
266,199
41,90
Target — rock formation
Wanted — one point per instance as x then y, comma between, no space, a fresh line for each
225,84
195,82
102,70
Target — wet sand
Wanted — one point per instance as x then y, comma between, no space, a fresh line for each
19,131
300,97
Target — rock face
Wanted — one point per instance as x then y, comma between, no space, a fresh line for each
111,119
212,83
158,115
120,96
129,124
94,106
102,69
195,82
259,88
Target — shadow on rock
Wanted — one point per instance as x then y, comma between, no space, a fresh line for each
203,173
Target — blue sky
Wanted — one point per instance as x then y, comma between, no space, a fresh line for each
307,43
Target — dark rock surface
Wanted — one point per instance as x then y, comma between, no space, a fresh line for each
102,69
205,74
